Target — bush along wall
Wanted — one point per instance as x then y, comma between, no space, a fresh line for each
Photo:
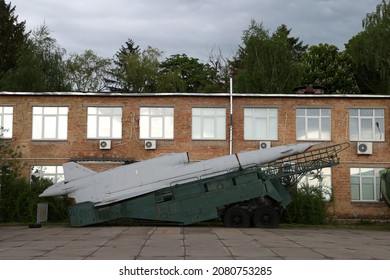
308,206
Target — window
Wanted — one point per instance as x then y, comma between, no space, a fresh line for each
53,173
104,123
365,184
321,179
156,123
6,119
260,124
209,123
313,124
366,124
50,123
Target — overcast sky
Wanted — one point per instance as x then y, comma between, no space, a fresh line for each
193,27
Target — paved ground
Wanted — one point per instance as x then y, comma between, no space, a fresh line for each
162,242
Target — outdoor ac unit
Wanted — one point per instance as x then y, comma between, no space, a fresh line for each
105,144
264,144
364,148
150,144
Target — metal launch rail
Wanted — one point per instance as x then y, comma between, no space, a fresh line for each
251,195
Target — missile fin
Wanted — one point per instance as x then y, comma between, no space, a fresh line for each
75,171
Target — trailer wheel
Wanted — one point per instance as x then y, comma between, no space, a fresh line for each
236,217
266,217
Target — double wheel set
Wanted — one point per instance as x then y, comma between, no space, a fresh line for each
244,216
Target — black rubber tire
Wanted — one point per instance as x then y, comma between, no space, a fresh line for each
34,225
266,217
237,217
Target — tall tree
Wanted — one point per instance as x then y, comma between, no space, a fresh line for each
324,65
12,37
370,51
87,71
135,70
266,63
194,75
40,66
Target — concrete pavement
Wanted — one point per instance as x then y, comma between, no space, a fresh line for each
190,243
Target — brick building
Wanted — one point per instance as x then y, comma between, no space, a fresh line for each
102,131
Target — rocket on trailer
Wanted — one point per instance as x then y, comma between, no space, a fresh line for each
124,182
242,189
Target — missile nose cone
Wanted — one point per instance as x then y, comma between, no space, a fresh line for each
55,190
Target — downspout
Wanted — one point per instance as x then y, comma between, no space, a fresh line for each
231,117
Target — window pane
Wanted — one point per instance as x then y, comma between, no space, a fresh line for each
168,132
37,110
367,189
325,126
273,129
248,112
156,127
221,129
63,110
92,127
144,127
313,112
248,128
104,111
104,126
301,129
208,127
62,127
37,127
354,129
355,192
117,127
313,128
260,129
366,112
50,110
196,128
366,129
92,111
50,128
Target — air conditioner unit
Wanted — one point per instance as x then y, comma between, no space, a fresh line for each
264,144
150,144
105,144
364,148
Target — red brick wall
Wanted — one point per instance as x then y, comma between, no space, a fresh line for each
130,146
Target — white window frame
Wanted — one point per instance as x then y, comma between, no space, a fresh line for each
323,120
55,173
208,123
50,123
361,174
156,123
104,122
261,124
6,121
376,121
324,181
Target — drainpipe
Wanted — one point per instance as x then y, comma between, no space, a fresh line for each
231,116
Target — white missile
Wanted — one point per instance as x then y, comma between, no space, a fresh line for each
128,181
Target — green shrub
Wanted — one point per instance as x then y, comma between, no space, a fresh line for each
308,206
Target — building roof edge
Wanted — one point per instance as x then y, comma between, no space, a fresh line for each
109,94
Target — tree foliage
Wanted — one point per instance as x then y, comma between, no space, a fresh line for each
370,51
183,73
87,72
12,37
135,70
267,63
40,66
324,65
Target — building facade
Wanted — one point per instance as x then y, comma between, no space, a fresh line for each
103,131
